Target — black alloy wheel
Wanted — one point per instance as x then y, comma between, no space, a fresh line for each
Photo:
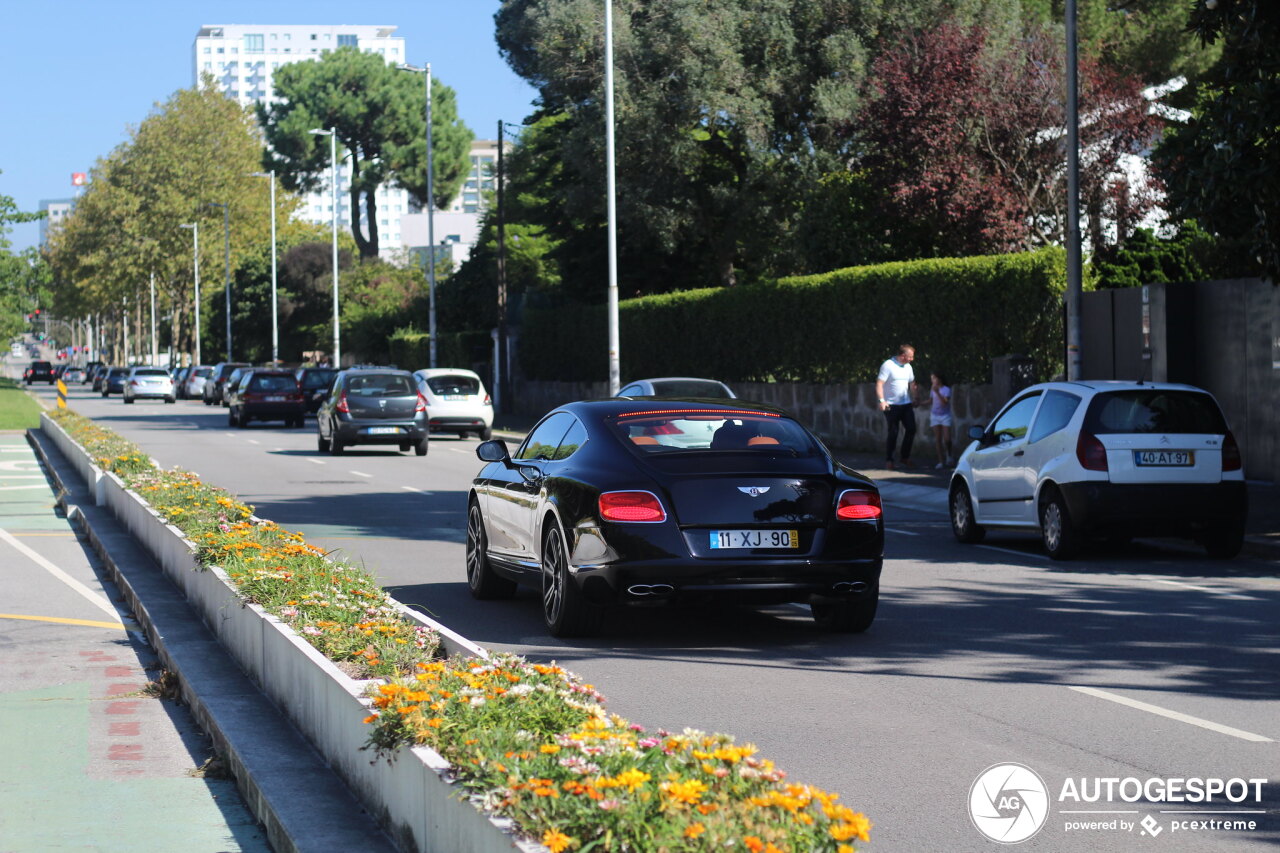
1061,539
482,580
963,525
848,617
564,610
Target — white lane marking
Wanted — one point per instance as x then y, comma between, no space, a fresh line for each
1173,715
94,598
362,474
314,461
229,434
412,489
1015,553
1220,592
903,532
253,441
31,486
459,450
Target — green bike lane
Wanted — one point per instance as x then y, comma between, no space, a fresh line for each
91,758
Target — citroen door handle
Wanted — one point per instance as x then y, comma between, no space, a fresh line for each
1018,452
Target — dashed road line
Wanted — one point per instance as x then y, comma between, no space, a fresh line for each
1218,592
1172,715
1015,553
361,474
314,461
253,441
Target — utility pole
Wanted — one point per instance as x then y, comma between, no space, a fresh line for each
502,286
1074,285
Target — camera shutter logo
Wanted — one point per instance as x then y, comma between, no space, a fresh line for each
1008,803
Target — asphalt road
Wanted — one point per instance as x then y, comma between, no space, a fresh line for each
1139,662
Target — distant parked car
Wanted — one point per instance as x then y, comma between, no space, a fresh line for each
678,386
192,385
1074,460
315,382
212,391
263,394
373,406
72,375
89,370
147,383
39,371
456,401
113,380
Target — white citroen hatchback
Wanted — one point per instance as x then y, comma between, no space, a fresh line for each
1104,459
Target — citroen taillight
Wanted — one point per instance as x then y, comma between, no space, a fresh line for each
1091,453
1231,460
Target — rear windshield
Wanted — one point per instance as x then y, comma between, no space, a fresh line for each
317,378
691,430
381,385
272,383
1154,410
151,371
689,388
202,372
453,385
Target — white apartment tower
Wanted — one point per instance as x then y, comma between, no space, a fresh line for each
243,60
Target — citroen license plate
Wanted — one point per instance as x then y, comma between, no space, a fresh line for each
1164,458
383,430
755,539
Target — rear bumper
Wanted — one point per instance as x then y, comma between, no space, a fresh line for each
273,411
1182,509
407,433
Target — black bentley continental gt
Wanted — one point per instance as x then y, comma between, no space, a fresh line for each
643,500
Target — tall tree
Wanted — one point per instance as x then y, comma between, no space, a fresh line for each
21,274
1222,166
378,113
196,149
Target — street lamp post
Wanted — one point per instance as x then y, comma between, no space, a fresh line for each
275,317
195,257
226,227
614,344
1074,272
431,223
155,353
332,133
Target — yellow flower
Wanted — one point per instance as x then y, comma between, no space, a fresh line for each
556,841
548,749
689,792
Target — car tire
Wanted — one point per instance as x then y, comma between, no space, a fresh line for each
565,611
335,446
231,418
322,443
1223,541
128,401
420,449
848,617
106,393
207,401
1057,530
485,434
485,584
170,400
963,523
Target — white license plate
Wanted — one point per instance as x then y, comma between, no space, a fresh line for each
275,398
383,430
455,397
1164,458
755,539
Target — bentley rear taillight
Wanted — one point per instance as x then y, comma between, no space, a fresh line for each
858,505
631,506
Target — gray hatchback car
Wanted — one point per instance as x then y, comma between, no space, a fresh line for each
372,406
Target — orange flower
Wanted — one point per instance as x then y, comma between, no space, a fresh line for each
693,830
556,841
755,845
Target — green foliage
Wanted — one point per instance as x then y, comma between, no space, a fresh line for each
828,328
377,299
23,275
378,112
410,348
1222,168
1190,255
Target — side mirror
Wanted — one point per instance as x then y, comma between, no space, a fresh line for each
977,433
494,450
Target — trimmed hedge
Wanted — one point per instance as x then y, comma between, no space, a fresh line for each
411,349
835,327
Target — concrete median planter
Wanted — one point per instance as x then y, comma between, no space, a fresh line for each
412,796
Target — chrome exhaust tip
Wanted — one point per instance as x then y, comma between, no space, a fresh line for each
645,589
850,586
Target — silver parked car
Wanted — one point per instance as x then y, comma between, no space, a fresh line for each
678,386
148,383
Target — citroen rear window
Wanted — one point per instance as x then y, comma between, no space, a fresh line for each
670,431
453,385
690,388
1155,410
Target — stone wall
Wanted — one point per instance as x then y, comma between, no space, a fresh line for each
844,416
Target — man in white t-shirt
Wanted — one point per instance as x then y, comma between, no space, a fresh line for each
896,391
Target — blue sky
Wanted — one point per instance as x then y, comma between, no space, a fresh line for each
75,75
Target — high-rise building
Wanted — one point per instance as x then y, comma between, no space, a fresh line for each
55,211
243,60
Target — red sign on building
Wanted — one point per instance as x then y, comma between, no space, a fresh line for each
79,179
